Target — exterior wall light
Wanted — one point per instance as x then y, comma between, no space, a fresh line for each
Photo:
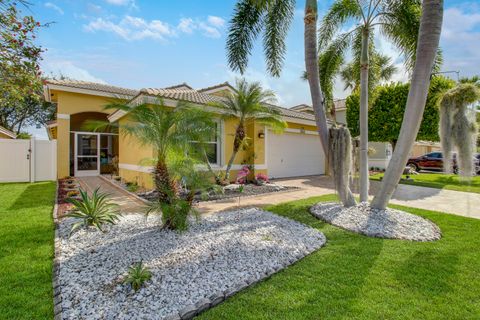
261,135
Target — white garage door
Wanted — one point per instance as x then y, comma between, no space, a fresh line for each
294,155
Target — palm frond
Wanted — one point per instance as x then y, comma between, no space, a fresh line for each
278,19
245,27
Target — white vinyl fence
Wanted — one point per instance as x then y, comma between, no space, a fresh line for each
28,160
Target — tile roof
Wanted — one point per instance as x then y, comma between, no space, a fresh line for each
177,92
93,86
189,95
225,84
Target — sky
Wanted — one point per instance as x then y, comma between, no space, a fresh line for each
159,43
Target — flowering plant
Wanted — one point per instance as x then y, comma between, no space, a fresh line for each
242,175
261,177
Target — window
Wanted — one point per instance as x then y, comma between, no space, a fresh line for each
212,147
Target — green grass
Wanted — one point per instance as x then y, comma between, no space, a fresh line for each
26,250
440,181
356,277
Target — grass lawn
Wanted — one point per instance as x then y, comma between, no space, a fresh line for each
356,277
440,181
26,250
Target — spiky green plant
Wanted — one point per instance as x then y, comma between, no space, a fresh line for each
95,210
137,275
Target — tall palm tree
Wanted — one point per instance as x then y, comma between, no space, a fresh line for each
428,39
398,20
381,70
170,132
248,104
273,18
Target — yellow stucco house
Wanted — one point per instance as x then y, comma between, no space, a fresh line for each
80,152
6,134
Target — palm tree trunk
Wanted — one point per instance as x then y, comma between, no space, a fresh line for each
364,65
210,169
311,65
165,187
239,137
428,39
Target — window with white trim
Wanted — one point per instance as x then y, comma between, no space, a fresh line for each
212,146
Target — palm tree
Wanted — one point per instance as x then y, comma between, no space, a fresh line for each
381,70
250,103
397,20
273,19
428,39
170,132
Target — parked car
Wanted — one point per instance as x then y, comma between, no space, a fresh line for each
434,161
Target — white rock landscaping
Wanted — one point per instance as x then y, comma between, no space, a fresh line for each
389,223
191,271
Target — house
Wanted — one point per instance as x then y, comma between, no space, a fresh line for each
340,110
81,152
6,134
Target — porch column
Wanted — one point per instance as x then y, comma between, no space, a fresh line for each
63,145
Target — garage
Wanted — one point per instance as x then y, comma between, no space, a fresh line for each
294,154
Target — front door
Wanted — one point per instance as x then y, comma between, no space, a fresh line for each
87,154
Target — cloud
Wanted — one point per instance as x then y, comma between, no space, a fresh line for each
135,28
460,40
121,2
54,7
69,69
216,21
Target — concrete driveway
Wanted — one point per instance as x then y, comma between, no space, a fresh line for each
455,202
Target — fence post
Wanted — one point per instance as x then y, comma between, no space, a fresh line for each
32,159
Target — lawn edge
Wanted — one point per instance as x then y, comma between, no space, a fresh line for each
57,298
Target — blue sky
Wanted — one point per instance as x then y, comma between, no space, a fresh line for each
140,43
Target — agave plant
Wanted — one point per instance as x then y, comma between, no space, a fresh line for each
94,211
137,275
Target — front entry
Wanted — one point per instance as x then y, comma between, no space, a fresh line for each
94,153
86,154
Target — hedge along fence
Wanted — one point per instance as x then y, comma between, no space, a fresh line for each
388,106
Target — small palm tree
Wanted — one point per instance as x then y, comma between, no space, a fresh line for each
169,131
137,275
250,103
94,211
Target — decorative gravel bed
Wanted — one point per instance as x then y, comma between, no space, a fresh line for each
389,223
232,191
191,271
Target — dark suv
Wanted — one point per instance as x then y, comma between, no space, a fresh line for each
430,161
434,161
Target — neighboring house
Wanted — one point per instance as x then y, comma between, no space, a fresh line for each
340,110
81,152
6,134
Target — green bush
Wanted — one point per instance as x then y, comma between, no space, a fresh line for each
386,112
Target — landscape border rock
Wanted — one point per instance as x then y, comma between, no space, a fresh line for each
388,223
192,271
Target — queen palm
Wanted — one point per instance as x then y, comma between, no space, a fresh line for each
398,20
250,103
170,132
273,19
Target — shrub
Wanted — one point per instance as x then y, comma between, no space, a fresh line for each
261,177
132,186
174,214
94,211
242,175
137,275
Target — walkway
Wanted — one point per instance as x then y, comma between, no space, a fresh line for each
127,202
454,202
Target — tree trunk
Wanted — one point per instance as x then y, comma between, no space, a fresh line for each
428,39
311,66
165,187
364,65
210,169
239,137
